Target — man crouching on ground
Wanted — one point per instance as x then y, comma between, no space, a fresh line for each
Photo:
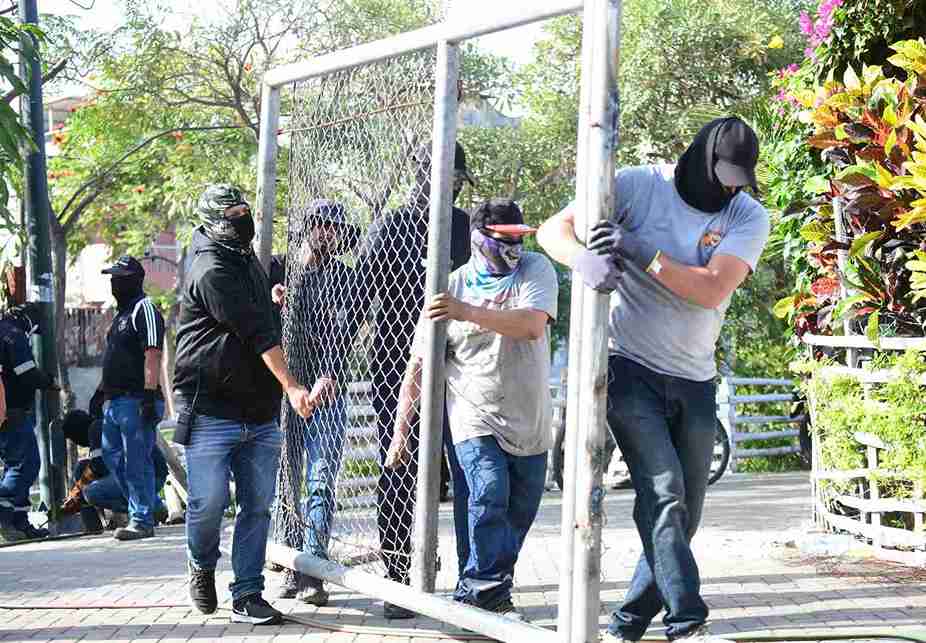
227,384
498,306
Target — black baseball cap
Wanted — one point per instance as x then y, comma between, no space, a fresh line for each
126,266
500,215
736,151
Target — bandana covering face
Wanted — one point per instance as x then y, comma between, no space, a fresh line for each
211,209
493,266
695,177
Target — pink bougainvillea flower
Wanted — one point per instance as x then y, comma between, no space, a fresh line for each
806,24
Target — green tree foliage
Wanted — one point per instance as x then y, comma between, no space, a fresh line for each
728,50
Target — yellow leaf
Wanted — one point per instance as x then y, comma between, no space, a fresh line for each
889,115
850,80
890,142
777,42
909,218
885,179
871,74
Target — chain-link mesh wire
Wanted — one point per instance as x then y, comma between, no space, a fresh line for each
359,169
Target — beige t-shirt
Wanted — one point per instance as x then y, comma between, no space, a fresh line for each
499,386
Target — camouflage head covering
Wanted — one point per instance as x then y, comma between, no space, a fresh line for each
211,208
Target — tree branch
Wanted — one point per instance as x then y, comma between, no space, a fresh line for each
66,211
50,76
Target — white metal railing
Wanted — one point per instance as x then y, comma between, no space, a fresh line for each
740,427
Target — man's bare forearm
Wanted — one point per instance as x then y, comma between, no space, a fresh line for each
409,396
557,236
524,323
152,368
275,361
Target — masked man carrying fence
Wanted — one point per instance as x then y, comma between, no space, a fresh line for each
19,449
391,268
686,236
321,304
498,306
227,386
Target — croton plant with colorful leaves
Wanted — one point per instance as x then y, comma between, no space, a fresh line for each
871,131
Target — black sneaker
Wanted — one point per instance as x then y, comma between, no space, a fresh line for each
507,609
133,532
202,590
290,586
313,592
396,612
255,610
31,532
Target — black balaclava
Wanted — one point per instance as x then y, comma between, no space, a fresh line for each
695,178
236,234
127,289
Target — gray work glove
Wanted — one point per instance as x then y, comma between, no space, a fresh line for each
601,271
609,237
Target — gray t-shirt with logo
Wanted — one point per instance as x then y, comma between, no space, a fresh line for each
499,386
650,324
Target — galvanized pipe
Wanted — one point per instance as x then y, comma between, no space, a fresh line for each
602,17
576,328
267,173
417,40
436,607
424,568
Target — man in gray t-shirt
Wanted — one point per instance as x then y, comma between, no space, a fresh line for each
681,239
498,306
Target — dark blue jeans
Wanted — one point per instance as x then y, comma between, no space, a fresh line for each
128,444
217,449
504,495
106,493
460,500
664,427
19,451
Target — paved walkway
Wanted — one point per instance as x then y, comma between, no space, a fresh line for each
753,579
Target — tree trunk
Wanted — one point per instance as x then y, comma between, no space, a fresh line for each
59,251
170,336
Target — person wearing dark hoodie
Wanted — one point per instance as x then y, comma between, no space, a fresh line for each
680,241
228,382
133,401
19,451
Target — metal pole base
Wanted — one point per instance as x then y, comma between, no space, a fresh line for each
436,607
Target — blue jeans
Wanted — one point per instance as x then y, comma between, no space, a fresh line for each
664,427
127,450
504,495
324,444
217,449
19,451
460,500
106,493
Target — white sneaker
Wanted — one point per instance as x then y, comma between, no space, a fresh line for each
607,637
701,635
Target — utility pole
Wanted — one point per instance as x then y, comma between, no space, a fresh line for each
39,269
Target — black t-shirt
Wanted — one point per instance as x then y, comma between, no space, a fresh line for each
392,268
16,360
136,328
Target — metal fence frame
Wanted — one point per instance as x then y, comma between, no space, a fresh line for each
582,515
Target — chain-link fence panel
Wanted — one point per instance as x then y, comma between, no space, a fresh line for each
359,173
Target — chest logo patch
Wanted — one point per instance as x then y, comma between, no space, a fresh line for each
711,238
123,324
